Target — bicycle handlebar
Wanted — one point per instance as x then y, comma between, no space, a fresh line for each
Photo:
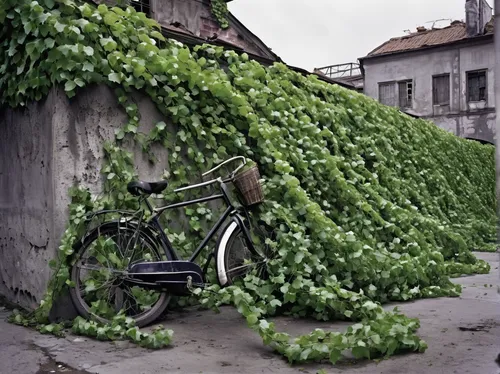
219,179
226,162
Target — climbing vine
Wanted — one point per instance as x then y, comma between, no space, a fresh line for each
220,12
368,205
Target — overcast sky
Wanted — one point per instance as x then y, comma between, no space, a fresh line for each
317,33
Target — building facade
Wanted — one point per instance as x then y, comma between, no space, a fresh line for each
445,75
192,22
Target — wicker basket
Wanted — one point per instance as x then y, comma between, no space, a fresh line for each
248,184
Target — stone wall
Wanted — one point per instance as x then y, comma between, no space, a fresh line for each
46,148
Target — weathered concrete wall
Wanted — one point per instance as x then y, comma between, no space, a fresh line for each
195,17
420,67
477,58
26,201
45,149
459,117
82,126
472,126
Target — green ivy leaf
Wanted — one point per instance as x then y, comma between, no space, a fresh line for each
335,356
87,66
69,86
89,51
59,26
361,352
114,77
252,319
49,3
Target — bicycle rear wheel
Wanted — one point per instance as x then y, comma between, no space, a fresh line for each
100,290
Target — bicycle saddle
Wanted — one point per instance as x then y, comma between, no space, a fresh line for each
138,188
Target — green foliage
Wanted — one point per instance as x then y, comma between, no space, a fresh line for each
367,204
122,328
220,12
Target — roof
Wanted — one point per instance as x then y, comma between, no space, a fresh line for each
429,38
354,82
357,81
179,32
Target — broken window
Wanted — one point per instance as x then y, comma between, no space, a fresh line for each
387,93
405,94
476,85
441,89
143,6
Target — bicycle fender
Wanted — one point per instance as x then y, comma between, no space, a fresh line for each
221,248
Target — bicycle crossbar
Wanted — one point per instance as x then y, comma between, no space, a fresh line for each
203,184
190,202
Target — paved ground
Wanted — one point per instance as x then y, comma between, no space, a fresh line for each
463,336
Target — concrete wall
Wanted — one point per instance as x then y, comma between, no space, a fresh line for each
26,201
478,57
45,149
419,67
458,117
195,17
471,126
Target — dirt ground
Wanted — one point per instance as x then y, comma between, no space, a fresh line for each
463,335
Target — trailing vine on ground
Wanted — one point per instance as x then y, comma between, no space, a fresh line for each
369,205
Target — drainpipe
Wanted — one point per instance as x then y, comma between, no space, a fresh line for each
497,106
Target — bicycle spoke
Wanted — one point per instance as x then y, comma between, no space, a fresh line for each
130,298
96,268
244,267
102,269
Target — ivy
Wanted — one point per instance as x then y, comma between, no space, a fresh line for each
366,205
220,12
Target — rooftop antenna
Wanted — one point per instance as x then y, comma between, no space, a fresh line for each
407,32
438,20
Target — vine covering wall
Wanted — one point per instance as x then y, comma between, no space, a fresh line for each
368,205
220,12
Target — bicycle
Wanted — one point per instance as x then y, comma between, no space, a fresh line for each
137,266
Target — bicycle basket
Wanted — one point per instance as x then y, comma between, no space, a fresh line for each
248,184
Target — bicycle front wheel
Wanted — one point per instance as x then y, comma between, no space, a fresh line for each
234,259
99,287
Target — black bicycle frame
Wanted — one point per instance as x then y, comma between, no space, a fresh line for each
231,210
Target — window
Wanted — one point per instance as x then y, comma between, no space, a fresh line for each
441,89
405,94
387,94
476,85
143,6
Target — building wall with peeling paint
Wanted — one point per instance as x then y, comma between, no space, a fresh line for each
194,18
48,147
459,117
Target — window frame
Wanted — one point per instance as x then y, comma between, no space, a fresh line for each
398,83
142,4
388,83
447,75
467,92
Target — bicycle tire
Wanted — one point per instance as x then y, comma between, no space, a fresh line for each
225,250
82,307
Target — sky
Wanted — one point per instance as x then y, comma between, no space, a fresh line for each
317,33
